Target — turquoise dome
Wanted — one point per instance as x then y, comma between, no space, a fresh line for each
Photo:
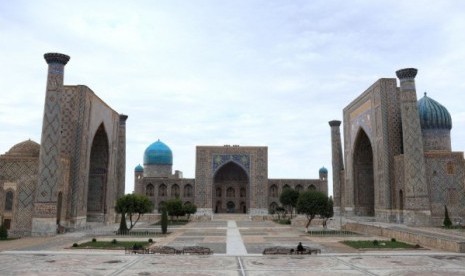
323,170
158,154
139,168
433,115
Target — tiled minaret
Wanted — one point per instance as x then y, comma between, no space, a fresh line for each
417,210
338,165
45,204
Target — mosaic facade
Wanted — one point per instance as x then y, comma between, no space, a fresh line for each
398,165
228,179
73,177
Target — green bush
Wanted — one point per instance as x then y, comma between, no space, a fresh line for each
114,241
375,242
393,240
94,240
3,232
75,245
150,240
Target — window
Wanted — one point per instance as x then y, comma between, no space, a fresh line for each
149,190
242,192
450,168
286,187
175,190
273,191
9,201
162,190
218,192
299,188
188,190
312,188
230,192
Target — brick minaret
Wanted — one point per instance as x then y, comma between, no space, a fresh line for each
416,189
121,155
338,165
45,203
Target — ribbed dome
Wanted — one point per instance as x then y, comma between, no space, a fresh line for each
158,154
433,115
139,168
323,170
26,148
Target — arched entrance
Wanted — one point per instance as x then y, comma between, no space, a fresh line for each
230,186
98,170
364,192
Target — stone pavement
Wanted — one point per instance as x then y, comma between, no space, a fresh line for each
237,246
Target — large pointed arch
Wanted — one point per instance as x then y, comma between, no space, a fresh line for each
364,188
233,177
98,176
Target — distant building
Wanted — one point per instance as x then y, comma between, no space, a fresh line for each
228,179
397,164
77,172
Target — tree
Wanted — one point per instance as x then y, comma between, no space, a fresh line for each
174,208
288,198
281,211
311,203
164,221
328,212
132,205
447,222
190,209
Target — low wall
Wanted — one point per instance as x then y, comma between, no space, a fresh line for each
423,239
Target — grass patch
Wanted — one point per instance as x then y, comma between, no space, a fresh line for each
10,239
375,244
110,244
174,222
282,221
141,233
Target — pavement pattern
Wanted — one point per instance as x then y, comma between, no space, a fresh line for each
237,245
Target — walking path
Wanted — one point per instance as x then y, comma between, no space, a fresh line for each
234,244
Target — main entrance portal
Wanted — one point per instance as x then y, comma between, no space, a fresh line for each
230,186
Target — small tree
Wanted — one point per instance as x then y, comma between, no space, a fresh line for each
447,222
132,205
311,203
328,212
175,208
288,198
164,221
281,211
190,209
3,232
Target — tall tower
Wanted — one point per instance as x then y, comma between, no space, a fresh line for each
44,220
417,210
338,165
121,155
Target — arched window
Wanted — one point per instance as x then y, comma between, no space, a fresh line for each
188,190
162,190
218,192
450,168
273,206
299,188
149,190
242,192
312,188
286,187
187,203
175,190
274,191
161,205
9,201
230,192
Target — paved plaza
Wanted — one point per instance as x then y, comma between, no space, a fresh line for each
237,246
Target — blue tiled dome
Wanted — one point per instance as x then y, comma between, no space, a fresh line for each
433,115
323,170
139,168
158,154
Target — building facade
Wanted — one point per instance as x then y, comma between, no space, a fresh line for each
76,173
397,164
228,179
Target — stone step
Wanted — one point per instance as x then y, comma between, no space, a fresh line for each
236,217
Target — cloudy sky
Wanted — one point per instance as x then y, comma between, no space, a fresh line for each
246,72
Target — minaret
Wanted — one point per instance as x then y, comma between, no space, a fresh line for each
121,155
417,210
338,165
45,203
